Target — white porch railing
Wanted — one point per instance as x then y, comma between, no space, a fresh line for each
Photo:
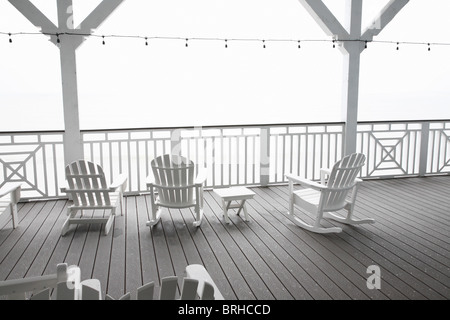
34,158
245,155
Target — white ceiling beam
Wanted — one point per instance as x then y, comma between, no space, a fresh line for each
35,16
351,46
97,17
325,18
383,19
73,148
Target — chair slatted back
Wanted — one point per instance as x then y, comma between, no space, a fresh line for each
341,180
87,184
174,178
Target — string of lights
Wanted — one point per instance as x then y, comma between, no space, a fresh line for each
146,39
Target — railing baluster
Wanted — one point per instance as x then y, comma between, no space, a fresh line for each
424,140
265,156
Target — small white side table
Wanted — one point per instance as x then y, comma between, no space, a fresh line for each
239,194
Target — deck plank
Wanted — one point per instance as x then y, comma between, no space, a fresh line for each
259,261
147,252
267,257
18,245
133,271
36,245
240,250
43,256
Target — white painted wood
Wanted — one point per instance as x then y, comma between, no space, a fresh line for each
208,291
264,142
91,289
351,45
330,195
324,18
239,194
189,289
66,280
173,182
126,296
383,19
88,189
41,295
68,285
9,197
65,291
206,285
424,145
73,149
168,288
197,285
146,292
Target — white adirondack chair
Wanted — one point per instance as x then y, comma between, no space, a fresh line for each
65,284
173,180
197,285
339,192
87,187
9,197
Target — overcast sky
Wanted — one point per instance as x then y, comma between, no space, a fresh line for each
127,84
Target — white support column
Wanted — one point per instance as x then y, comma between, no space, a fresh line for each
351,62
68,44
73,148
352,44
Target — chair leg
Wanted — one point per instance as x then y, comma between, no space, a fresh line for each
15,219
121,203
156,210
244,207
225,206
199,215
109,223
156,215
66,225
198,206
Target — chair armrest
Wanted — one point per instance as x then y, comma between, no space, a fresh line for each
120,182
201,177
324,172
13,187
305,182
64,187
14,191
150,181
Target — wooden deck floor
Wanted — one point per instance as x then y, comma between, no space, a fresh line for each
266,258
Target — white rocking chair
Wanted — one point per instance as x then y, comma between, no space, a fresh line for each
332,195
173,180
88,189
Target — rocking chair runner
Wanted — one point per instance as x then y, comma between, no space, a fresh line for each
173,180
88,188
332,195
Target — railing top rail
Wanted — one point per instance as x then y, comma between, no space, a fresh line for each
216,126
402,121
225,126
33,132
